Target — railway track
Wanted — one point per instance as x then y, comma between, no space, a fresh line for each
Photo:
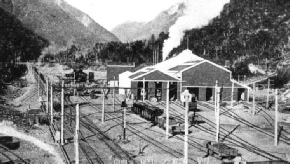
10,156
141,134
116,150
233,140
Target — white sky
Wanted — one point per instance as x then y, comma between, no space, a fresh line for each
110,13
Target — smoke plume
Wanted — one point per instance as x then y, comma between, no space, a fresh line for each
197,14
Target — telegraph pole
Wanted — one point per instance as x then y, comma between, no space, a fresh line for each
103,107
114,95
51,105
218,115
215,98
276,117
143,89
47,95
76,135
167,111
254,88
186,128
124,131
62,113
268,92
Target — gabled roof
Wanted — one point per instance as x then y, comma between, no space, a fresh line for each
180,59
219,66
155,75
179,67
136,74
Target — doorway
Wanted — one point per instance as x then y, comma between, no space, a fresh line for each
195,91
208,96
158,90
241,94
172,91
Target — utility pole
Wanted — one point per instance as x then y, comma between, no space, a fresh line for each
218,115
51,105
143,89
254,88
276,117
167,111
268,92
103,107
114,95
47,94
232,97
62,113
215,98
186,128
76,135
124,131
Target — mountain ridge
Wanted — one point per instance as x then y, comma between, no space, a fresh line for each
132,31
58,22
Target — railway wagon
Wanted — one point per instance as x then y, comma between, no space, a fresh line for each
221,150
150,113
155,115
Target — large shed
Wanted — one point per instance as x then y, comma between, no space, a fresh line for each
187,71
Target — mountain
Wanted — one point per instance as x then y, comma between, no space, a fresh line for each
131,31
58,22
17,41
251,30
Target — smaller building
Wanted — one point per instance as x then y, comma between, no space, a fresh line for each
114,70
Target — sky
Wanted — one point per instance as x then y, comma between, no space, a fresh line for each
110,13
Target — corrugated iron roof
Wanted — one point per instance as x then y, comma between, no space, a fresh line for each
156,75
136,74
179,67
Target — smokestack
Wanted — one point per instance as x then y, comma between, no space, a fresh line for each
197,14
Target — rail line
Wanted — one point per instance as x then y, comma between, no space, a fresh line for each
114,147
4,150
141,134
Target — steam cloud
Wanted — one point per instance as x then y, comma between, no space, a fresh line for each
198,13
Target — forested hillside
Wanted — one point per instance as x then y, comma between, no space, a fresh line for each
254,29
18,41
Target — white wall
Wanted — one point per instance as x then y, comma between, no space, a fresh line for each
124,82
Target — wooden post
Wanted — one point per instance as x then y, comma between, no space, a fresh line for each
186,128
62,113
124,130
167,111
268,92
143,89
276,117
76,136
114,95
51,105
103,107
232,96
215,97
47,95
254,88
218,115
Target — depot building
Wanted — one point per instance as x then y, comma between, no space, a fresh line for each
185,71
